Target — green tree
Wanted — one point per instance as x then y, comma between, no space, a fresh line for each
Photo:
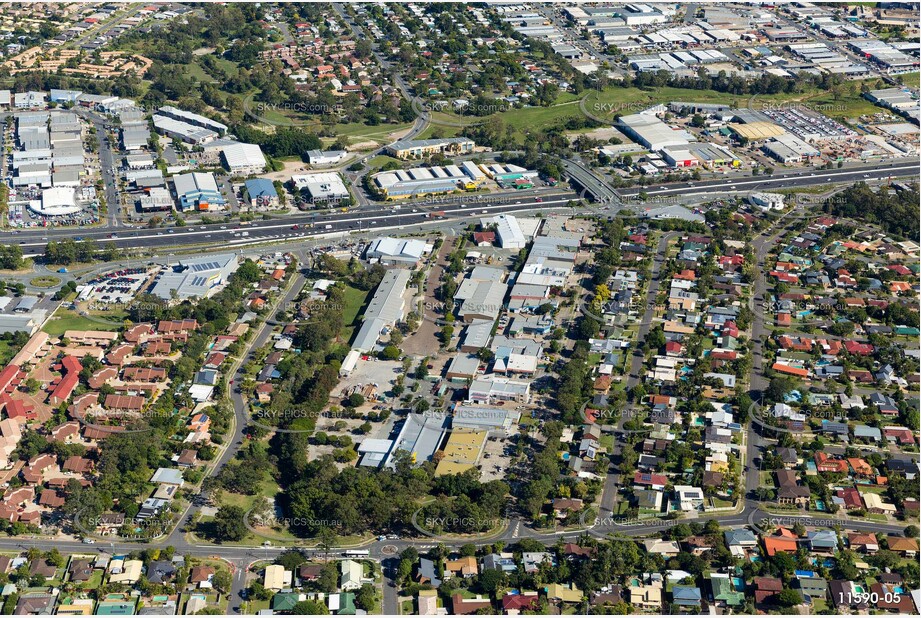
366,598
228,523
309,608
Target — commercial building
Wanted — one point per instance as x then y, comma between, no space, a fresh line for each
322,187
505,173
420,436
262,193
651,132
176,129
193,119
198,191
767,201
386,308
135,136
484,303
415,149
489,390
462,451
481,418
508,230
788,148
244,159
195,278
397,250
155,198
420,181
757,130
325,157
901,100
24,322
56,202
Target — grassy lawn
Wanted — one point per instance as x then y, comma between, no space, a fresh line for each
268,488
254,607
194,69
382,160
521,120
64,320
354,303
93,582
358,131
406,608
845,106
45,281
911,79
607,442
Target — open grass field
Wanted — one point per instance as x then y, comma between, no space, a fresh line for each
354,302
604,106
911,79
64,320
382,160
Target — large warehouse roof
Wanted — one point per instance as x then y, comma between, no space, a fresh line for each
384,310
652,132
57,201
244,156
757,130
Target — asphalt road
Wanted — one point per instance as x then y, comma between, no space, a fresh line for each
34,242
784,179
107,168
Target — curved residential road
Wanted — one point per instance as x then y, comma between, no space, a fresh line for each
235,440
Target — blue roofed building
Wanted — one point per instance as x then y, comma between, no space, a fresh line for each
686,596
198,191
262,193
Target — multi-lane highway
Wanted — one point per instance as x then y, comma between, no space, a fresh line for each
784,179
299,226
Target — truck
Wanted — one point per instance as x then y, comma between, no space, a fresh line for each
437,214
329,227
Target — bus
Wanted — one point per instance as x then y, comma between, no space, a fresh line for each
357,553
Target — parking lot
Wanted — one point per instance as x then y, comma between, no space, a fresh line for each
117,287
808,125
496,459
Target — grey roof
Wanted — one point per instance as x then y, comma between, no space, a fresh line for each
385,309
464,364
822,538
477,334
160,571
420,435
740,536
476,417
427,569
865,431
686,595
173,476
